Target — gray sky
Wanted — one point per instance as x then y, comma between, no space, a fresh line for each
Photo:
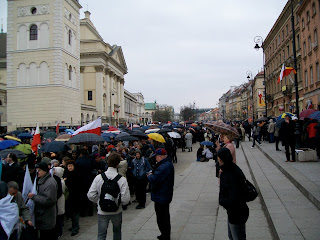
184,51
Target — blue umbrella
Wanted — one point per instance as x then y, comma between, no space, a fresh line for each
108,135
107,139
206,143
8,143
145,127
25,136
315,115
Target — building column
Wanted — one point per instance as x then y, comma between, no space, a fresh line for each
99,87
81,84
119,96
108,93
112,96
122,97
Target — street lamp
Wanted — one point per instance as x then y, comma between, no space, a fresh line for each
249,76
259,44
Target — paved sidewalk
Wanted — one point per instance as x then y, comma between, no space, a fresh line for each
292,214
195,212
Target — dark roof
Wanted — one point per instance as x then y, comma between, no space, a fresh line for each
3,45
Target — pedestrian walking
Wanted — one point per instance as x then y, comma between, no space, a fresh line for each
255,135
271,130
45,209
188,138
140,167
162,180
232,195
243,132
287,135
110,190
277,137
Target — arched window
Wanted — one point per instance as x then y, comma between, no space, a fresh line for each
33,32
70,37
70,72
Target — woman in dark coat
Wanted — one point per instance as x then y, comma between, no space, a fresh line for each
232,195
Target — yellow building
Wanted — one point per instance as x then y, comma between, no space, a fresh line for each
259,96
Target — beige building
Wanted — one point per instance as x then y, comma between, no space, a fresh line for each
102,77
258,96
43,63
140,107
3,82
130,107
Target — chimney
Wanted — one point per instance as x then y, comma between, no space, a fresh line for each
87,14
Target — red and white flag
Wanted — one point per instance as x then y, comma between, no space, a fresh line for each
285,71
36,140
92,127
57,129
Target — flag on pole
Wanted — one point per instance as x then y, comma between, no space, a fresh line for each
92,127
285,71
30,202
27,184
260,96
57,129
36,140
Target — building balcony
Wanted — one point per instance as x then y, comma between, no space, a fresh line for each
287,90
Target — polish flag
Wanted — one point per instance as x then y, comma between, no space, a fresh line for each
92,127
285,71
57,129
36,140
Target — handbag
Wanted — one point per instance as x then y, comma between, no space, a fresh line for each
252,192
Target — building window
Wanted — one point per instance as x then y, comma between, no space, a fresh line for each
306,77
70,72
279,39
310,43
315,38
70,37
89,95
303,24
288,49
287,31
308,17
297,17
318,72
0,102
33,32
298,41
33,11
282,35
311,75
304,49
284,55
313,9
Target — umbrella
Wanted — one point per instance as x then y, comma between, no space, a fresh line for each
12,138
120,135
107,139
113,129
315,115
85,138
8,143
104,127
127,138
279,122
157,137
46,140
164,130
145,127
63,138
127,130
19,154
108,135
16,132
206,143
135,126
222,128
50,135
174,134
25,148
306,113
55,147
284,114
262,119
69,131
152,130
139,134
25,136
179,126
62,128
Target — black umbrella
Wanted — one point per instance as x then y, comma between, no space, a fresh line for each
139,134
104,127
164,130
16,132
279,122
127,138
85,138
179,126
120,135
55,147
139,129
127,130
19,154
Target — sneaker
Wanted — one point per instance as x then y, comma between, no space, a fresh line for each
252,147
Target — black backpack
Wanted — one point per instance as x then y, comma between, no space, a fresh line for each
110,194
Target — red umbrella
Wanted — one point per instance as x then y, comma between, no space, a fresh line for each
306,113
222,128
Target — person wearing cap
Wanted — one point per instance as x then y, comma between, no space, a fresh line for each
232,195
45,209
162,181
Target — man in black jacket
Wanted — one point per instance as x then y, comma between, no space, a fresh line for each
232,195
288,138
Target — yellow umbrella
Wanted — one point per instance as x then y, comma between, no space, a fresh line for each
157,137
12,138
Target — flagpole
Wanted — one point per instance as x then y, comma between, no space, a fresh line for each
297,132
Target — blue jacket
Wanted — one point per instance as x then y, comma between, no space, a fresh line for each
140,167
162,181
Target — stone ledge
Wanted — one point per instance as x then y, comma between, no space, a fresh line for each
308,188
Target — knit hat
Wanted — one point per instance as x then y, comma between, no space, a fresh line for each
138,151
159,151
225,155
43,166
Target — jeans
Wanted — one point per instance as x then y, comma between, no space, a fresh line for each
271,137
163,219
236,231
75,214
277,139
254,139
103,223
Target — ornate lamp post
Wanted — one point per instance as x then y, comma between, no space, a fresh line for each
259,44
249,76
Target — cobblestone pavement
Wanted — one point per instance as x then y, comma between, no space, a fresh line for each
195,212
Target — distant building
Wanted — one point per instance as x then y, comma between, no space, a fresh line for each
3,82
140,107
130,107
150,109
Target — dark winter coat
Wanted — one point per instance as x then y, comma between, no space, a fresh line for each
287,131
45,209
232,193
74,187
162,181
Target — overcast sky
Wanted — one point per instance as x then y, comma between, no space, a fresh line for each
183,51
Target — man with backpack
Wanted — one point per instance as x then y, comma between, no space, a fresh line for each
110,190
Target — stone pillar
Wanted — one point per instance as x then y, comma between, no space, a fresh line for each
122,98
81,84
108,93
112,97
99,87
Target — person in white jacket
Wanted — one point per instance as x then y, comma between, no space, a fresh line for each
94,196
58,171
